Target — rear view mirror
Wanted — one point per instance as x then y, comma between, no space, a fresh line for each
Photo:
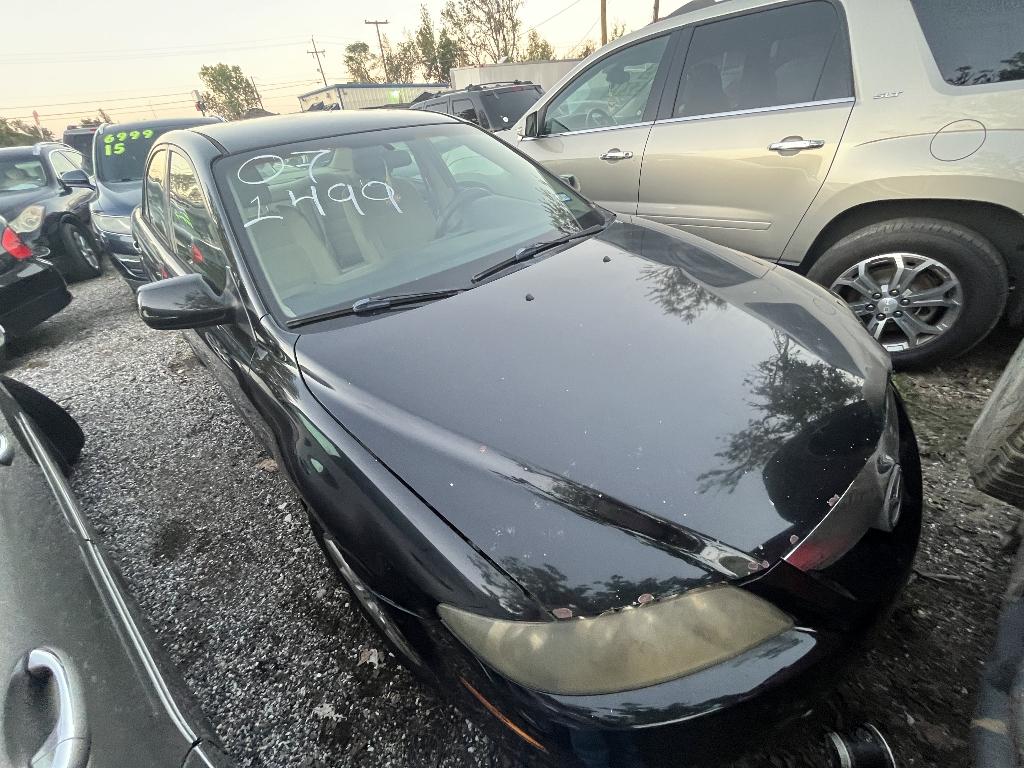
530,125
184,302
76,178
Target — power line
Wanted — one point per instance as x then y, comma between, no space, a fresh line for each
552,16
316,52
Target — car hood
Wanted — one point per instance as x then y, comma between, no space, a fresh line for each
118,198
640,413
13,203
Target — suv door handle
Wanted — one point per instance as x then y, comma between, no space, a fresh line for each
617,154
67,746
795,144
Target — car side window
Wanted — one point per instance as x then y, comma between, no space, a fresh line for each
789,55
974,42
196,241
61,164
154,208
464,109
75,158
612,92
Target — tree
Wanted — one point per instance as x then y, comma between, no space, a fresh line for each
17,133
229,93
403,60
363,66
537,48
486,30
582,50
449,56
618,30
101,117
438,52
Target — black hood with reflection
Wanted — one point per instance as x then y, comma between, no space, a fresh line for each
612,437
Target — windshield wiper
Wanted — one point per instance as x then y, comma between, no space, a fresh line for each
372,304
529,251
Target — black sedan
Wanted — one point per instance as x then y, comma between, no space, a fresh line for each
31,288
84,685
628,493
45,195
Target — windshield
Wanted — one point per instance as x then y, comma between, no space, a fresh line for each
121,155
327,222
504,108
19,174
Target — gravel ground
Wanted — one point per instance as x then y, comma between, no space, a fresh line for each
216,549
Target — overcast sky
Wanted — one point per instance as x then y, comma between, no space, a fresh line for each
110,54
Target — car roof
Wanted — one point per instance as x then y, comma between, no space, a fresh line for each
244,135
166,122
33,150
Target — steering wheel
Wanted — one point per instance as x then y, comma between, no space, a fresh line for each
598,118
464,195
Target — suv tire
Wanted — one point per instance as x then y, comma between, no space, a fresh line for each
946,254
995,448
82,254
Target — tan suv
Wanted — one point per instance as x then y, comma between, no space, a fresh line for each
875,145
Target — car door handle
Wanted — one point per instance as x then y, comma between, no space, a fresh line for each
617,154
6,451
796,144
67,746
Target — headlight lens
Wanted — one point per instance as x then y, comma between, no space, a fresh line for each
625,650
118,225
29,220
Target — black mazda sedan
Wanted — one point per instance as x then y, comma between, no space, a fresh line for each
629,494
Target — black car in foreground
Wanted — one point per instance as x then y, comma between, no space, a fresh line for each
31,288
84,684
629,494
45,195
119,156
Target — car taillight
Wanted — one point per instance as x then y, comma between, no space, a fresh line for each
13,245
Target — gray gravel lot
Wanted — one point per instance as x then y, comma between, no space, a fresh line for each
216,549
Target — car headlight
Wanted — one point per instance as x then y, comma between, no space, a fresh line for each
29,220
625,650
117,225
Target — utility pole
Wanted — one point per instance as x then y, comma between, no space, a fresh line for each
316,52
380,42
604,22
258,97
655,10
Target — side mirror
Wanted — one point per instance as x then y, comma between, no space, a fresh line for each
571,180
530,126
76,178
184,302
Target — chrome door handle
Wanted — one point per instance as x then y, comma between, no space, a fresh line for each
796,144
617,154
67,746
6,452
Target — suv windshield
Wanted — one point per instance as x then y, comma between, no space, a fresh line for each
121,154
505,107
19,174
388,212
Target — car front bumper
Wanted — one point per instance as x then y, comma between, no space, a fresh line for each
30,292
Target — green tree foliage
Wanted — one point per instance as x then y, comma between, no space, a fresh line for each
438,52
404,61
363,65
487,31
101,117
537,48
229,93
618,30
18,133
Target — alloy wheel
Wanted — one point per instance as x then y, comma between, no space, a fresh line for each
85,248
905,300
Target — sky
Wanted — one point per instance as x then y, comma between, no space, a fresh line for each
141,59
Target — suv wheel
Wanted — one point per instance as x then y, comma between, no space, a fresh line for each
995,449
82,252
926,289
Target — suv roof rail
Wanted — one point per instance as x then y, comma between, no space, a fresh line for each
497,84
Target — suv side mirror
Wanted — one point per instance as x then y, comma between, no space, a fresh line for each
530,126
76,178
184,302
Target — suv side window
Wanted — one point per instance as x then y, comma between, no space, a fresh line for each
196,242
440,106
790,55
154,208
612,92
974,41
464,109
